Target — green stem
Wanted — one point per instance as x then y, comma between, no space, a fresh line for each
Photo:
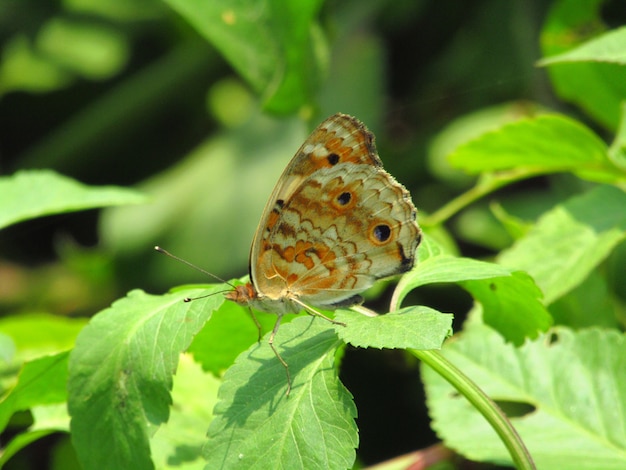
485,405
488,183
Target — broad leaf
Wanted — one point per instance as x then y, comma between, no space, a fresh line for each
512,305
30,194
573,382
411,327
545,144
120,374
510,300
41,382
274,44
178,443
608,47
230,331
255,422
570,241
596,87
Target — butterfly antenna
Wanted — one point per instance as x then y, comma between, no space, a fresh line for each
189,299
191,265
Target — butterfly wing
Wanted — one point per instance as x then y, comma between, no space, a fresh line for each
335,223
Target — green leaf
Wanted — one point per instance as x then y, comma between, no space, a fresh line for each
230,331
23,68
608,47
256,423
36,193
36,334
588,304
20,441
468,127
573,383
41,382
516,227
569,241
511,305
53,416
93,50
275,44
431,247
410,327
596,87
47,419
545,144
436,264
617,151
193,190
120,374
178,444
510,300
7,353
446,268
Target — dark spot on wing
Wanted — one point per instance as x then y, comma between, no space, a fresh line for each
382,232
333,159
344,198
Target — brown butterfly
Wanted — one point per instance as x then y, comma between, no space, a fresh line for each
335,223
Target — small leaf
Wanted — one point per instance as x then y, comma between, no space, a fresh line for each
120,374
436,265
41,382
256,423
569,241
510,300
568,388
30,194
608,47
596,87
178,444
545,144
511,305
410,327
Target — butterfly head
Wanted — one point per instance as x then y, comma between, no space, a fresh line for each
244,294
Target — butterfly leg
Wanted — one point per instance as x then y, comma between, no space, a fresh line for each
278,356
256,322
315,313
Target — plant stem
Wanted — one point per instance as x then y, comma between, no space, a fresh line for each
485,405
488,183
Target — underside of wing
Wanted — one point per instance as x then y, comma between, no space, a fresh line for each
343,228
339,139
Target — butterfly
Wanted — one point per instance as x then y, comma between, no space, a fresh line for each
335,223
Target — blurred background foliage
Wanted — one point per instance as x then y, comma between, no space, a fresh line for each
134,93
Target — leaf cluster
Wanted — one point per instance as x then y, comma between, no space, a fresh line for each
532,377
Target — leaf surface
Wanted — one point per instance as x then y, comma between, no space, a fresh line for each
256,422
573,382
